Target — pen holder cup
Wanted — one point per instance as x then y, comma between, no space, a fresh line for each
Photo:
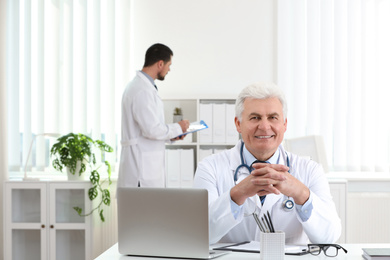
272,245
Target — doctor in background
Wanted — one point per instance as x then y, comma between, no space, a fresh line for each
296,190
144,132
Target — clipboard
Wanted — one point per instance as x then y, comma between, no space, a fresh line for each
254,247
195,127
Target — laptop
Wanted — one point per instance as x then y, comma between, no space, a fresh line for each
164,222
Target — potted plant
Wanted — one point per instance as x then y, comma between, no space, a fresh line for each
77,153
177,115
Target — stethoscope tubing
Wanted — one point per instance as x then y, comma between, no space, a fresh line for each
242,163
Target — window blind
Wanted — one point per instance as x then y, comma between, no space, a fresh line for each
332,60
68,64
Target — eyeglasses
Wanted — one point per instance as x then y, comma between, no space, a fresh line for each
330,250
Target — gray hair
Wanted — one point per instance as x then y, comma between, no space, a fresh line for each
260,90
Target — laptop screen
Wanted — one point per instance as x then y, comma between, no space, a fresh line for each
165,222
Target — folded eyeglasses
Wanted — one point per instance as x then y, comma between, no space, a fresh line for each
330,250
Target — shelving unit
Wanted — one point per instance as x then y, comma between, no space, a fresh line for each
42,223
192,110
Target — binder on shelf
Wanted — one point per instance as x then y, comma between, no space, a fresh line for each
172,168
219,124
179,168
206,113
186,168
231,131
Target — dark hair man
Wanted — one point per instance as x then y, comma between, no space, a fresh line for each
144,131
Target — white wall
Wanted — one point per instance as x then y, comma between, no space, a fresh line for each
219,46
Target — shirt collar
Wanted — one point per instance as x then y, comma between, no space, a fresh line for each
250,158
149,78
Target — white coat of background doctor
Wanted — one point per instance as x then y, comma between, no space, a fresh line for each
261,120
144,132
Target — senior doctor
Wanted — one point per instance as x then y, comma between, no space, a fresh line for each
296,191
144,132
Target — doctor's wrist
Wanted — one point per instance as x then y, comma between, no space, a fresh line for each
236,196
302,196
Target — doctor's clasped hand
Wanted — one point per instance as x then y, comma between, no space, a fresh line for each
262,181
280,181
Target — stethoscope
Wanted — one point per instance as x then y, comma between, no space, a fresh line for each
287,204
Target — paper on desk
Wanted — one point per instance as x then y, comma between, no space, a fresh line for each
254,246
195,126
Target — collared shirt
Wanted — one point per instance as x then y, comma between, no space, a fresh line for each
149,78
304,211
248,157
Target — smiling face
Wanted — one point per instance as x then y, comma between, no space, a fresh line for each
262,126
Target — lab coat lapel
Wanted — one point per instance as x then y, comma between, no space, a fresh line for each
235,156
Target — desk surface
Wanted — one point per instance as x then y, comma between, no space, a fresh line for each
354,253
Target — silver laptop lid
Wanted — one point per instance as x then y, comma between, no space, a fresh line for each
166,222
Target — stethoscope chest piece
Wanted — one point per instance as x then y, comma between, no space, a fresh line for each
288,204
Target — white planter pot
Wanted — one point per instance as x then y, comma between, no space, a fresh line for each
177,118
76,176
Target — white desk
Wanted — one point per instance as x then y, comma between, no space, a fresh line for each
354,253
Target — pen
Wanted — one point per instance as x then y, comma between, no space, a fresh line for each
265,225
269,226
270,221
258,222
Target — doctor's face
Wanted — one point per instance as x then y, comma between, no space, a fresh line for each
262,126
164,69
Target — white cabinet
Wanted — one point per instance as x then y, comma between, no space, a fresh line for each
40,222
338,189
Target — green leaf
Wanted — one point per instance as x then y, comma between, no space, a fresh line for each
93,159
94,177
101,216
57,165
83,168
106,197
103,146
78,210
108,172
93,193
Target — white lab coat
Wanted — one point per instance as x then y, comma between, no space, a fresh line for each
215,173
144,134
